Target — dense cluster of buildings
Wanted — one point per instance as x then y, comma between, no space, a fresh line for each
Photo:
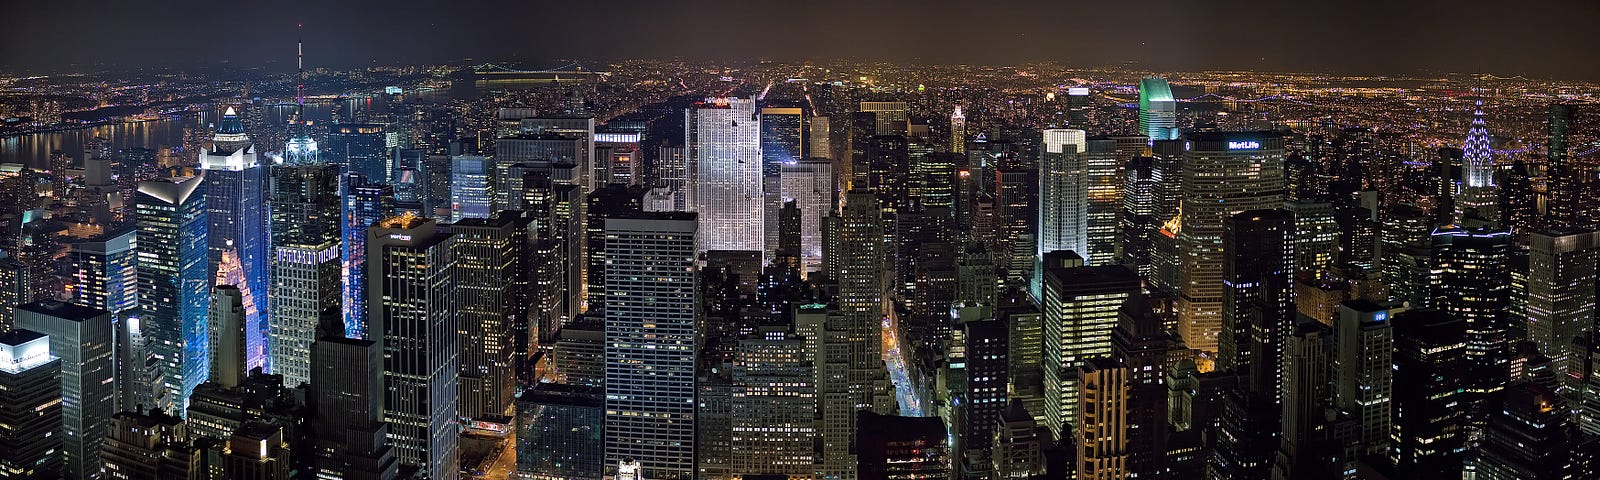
811,280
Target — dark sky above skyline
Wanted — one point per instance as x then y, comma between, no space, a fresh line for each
1539,38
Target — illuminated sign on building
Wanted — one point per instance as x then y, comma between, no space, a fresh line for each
1244,145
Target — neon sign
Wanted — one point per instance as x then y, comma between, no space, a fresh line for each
1244,145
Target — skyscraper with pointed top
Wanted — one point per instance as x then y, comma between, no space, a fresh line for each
958,131
1477,170
301,149
236,221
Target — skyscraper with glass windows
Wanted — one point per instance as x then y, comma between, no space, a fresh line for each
723,149
1158,112
173,285
236,214
305,262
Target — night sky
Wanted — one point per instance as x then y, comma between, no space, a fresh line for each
1541,38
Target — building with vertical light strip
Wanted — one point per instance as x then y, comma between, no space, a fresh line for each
411,297
1224,173
30,406
305,262
471,187
723,150
1101,427
782,131
651,307
365,203
173,288
236,214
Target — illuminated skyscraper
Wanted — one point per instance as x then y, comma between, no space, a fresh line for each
1138,222
1223,174
1561,298
30,406
891,118
1477,170
173,287
1429,427
1101,429
106,272
782,131
1063,193
1080,305
1527,439
1472,281
724,157
1103,198
359,148
1158,112
774,405
305,240
471,187
1405,257
236,214
365,203
651,308
1257,306
81,337
958,131
1316,236
487,304
810,184
1363,370
1078,104
411,297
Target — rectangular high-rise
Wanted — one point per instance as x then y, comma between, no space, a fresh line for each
236,220
359,148
1561,297
365,203
722,146
782,131
305,263
774,405
1080,305
1363,370
650,313
347,390
810,183
487,302
1224,173
411,297
471,187
1063,194
173,287
30,406
81,337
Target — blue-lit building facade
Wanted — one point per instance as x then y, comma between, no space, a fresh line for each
173,285
365,203
236,213
358,148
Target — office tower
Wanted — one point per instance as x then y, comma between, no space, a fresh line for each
1101,430
305,242
15,288
471,187
1561,297
346,396
411,297
1316,237
150,445
650,314
226,330
902,447
236,218
1158,112
1303,418
1257,304
31,412
988,365
1429,426
1016,212
1478,190
559,431
713,421
890,118
578,357
106,271
365,203
1103,178
782,131
672,169
1517,204
788,252
559,140
1138,222
1080,306
1471,281
1358,237
1223,174
487,267
1571,184
1166,264
774,405
1063,194
1363,370
724,157
82,337
257,451
1142,344
810,184
1527,439
958,132
359,148
608,202
173,286
1078,105
853,350
1405,243
1016,445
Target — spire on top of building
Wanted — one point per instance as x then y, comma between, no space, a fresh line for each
1477,159
301,149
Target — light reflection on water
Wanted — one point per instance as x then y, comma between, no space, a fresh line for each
34,149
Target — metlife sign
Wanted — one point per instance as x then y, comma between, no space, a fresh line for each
1244,145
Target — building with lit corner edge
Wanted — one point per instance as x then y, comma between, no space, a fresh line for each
1158,111
173,286
365,203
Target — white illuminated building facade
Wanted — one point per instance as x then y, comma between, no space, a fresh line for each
723,148
810,184
1063,192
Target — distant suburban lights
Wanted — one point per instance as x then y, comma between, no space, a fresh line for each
1244,145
